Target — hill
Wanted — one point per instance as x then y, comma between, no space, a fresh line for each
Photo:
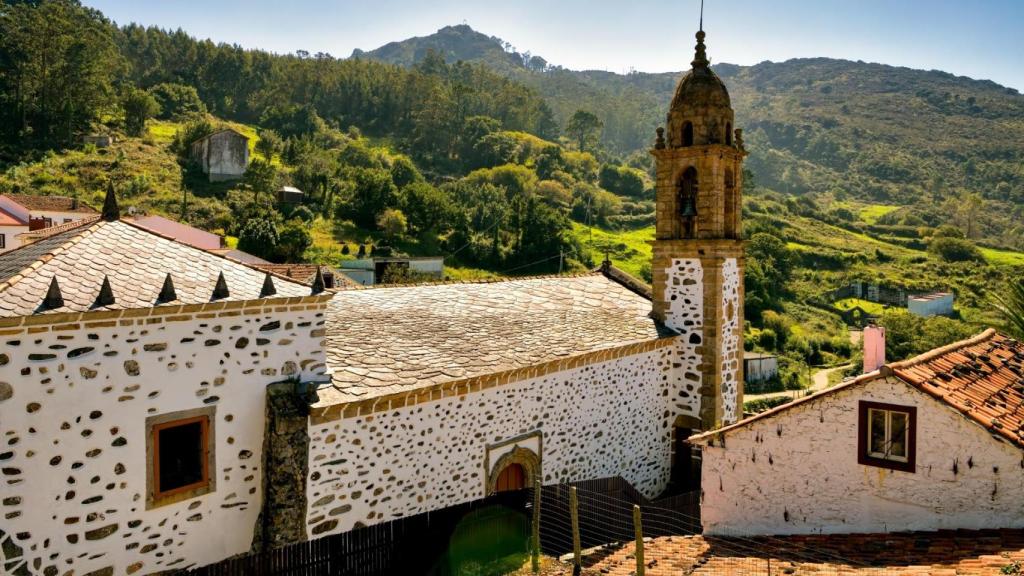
831,128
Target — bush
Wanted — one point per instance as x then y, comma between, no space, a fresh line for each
763,404
955,249
176,101
393,223
259,237
138,106
188,134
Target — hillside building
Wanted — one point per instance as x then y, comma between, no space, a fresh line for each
932,443
223,155
22,214
934,304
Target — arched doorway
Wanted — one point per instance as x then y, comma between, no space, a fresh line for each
511,478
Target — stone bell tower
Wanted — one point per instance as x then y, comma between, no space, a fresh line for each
698,254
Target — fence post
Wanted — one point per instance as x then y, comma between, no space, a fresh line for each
535,536
577,565
639,541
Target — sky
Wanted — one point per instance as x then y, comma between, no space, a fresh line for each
981,39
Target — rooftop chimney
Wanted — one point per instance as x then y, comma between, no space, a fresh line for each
874,347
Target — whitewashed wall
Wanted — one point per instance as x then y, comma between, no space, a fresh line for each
797,472
73,407
731,352
684,293
605,419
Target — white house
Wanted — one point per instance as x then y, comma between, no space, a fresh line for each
758,367
932,443
935,304
22,214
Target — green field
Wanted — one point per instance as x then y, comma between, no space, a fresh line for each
629,250
1002,257
873,308
872,212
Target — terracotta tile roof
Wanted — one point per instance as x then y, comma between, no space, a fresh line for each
960,552
34,235
51,203
304,273
983,378
135,259
390,339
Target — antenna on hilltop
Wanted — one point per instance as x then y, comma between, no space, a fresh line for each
701,27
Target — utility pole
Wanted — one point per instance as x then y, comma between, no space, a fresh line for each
561,257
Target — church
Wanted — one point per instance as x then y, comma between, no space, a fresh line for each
163,407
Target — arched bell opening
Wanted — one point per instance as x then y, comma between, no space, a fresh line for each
688,202
688,134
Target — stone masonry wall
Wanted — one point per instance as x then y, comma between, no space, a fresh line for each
731,353
604,419
684,296
74,399
797,472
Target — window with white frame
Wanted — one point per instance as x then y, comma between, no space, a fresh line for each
887,435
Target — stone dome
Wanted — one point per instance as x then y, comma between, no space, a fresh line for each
701,111
701,86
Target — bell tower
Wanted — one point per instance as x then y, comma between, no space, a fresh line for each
698,252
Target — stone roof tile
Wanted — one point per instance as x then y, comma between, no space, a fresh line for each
135,259
389,339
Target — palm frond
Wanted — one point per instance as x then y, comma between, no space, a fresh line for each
1011,305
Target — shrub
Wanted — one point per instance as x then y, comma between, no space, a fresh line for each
953,249
176,100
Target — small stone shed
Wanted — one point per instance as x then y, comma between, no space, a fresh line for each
223,155
931,443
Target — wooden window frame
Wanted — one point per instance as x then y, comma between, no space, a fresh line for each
154,425
864,456
3,240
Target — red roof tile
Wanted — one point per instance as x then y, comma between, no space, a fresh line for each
983,378
967,552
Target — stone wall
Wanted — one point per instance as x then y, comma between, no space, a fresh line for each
730,355
607,418
684,298
74,399
797,472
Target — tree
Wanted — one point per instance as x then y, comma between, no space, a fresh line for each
427,207
177,101
955,249
57,64
393,223
268,144
261,175
259,237
585,128
1010,304
373,193
138,106
404,172
293,240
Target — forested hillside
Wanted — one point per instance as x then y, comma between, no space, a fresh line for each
456,145
949,148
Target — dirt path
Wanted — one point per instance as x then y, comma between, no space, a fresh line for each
819,381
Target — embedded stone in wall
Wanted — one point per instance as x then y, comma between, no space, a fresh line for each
684,293
731,353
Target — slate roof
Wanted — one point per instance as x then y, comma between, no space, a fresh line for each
982,377
392,339
51,203
135,259
304,273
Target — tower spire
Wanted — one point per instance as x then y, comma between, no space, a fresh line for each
701,27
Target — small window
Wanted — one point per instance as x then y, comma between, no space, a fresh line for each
66,220
688,134
887,435
180,456
3,240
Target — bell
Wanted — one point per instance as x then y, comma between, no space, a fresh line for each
689,210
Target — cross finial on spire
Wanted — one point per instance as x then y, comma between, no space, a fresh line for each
701,26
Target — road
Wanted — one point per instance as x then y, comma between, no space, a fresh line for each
818,382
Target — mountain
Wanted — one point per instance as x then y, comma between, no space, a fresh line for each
817,126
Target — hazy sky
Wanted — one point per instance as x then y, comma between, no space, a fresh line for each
976,38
